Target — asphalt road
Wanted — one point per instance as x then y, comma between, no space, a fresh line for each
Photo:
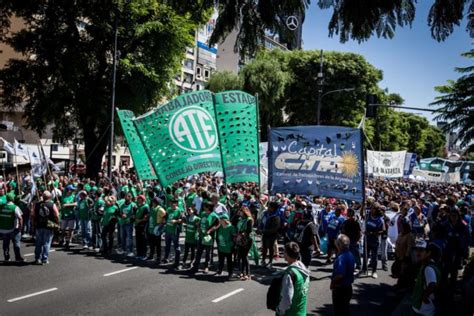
80,282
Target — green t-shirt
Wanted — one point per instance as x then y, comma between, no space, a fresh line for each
141,212
109,213
83,208
67,212
190,199
171,228
152,220
225,238
3,200
191,229
126,209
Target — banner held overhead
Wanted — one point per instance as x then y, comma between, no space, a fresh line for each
316,160
388,164
141,162
237,122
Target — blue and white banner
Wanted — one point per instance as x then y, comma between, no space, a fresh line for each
410,163
316,160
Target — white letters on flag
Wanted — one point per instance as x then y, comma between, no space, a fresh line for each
389,164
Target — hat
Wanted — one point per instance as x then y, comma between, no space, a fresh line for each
224,216
70,187
83,192
141,196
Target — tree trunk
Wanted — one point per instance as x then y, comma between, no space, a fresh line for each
95,148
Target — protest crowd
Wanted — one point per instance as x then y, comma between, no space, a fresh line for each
124,216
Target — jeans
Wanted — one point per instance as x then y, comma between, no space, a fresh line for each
96,234
372,249
127,237
172,238
200,249
341,298
43,240
354,249
86,232
140,240
384,248
15,237
305,254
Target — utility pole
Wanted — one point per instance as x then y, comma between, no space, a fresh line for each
320,79
112,110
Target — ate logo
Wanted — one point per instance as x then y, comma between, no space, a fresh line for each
193,129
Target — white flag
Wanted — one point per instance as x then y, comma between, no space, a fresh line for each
8,147
53,166
34,158
21,150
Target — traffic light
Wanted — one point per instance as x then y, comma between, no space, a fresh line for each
370,103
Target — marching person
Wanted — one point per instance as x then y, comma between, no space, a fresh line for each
174,219
225,243
68,220
374,228
11,222
342,277
127,217
295,284
141,221
45,219
111,213
244,241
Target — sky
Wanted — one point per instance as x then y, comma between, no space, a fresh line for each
413,63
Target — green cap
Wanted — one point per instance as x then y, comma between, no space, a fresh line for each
224,216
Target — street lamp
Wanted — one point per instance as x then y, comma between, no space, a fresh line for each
321,96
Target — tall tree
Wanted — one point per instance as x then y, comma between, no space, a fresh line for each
357,20
456,104
65,76
224,80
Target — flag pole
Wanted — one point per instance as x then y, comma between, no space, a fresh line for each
18,185
258,145
219,139
47,162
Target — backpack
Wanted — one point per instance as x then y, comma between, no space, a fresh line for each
43,215
299,233
273,293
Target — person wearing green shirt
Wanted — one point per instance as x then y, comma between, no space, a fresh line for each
294,285
225,244
96,215
155,229
68,220
174,219
3,197
84,205
108,221
127,216
206,229
120,202
192,223
141,221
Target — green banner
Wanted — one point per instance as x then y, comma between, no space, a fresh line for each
237,122
181,138
141,162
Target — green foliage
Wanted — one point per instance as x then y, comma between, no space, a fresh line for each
356,20
224,80
69,49
456,103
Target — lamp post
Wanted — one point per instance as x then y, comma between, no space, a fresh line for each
322,95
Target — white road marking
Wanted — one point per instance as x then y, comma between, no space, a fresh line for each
32,254
31,295
227,295
120,271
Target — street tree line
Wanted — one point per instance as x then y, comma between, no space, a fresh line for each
287,87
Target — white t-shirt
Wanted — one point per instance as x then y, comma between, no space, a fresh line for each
428,308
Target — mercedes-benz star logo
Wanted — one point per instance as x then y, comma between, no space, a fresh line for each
292,23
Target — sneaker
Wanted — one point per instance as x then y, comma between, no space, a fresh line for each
96,249
206,271
45,262
119,252
19,260
219,273
130,254
369,273
356,272
385,268
374,275
38,262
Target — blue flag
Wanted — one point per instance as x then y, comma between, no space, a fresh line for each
316,160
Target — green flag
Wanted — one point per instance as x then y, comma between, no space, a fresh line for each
181,138
141,162
237,122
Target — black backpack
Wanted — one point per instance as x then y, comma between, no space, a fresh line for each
273,293
43,215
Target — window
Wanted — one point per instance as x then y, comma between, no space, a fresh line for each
206,73
198,71
188,63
